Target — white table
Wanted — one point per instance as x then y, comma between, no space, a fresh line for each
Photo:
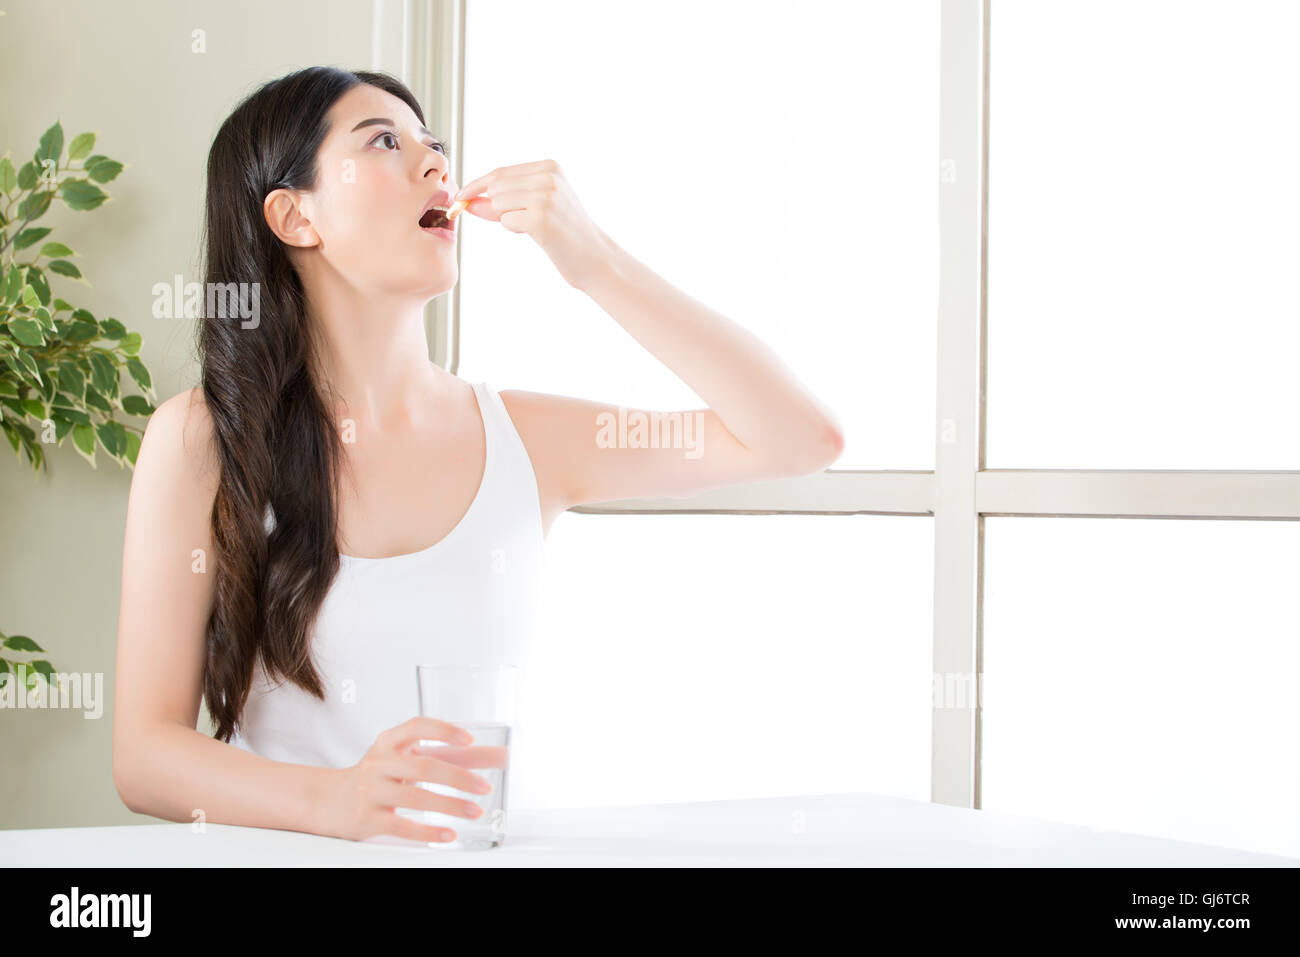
830,830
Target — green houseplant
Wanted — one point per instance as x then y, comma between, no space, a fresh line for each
60,367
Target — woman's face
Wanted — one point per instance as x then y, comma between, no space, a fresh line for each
377,169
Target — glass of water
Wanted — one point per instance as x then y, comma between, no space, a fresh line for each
481,699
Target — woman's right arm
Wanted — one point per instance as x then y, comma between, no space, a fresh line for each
163,765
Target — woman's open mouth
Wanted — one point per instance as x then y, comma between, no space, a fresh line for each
435,221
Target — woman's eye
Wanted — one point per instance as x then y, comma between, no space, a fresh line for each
388,134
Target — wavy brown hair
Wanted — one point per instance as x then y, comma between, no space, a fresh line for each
273,431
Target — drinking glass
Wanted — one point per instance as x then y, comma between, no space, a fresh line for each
482,699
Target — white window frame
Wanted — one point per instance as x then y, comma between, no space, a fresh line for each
423,42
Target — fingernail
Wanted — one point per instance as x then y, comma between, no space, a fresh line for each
465,738
481,786
473,809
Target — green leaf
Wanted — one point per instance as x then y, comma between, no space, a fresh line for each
7,388
43,668
28,363
81,194
64,268
83,437
35,205
46,387
80,331
139,373
11,434
111,328
35,408
96,401
61,305
131,344
27,331
104,171
13,285
137,405
132,446
36,279
29,236
8,176
51,143
119,436
22,643
103,374
56,250
27,175
24,430
35,454
62,426
71,380
74,415
30,299
108,438
81,146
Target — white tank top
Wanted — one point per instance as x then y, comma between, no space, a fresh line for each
471,598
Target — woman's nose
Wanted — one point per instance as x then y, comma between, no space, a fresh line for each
440,166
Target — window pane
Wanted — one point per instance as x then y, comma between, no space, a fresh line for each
1142,241
775,161
712,657
1141,677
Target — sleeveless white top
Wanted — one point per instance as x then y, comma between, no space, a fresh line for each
471,598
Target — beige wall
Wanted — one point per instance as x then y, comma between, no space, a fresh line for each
126,71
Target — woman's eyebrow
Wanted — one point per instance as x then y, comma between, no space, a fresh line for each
383,120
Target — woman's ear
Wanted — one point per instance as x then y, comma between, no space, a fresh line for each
284,214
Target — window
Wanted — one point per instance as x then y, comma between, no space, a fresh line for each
1152,691
1142,238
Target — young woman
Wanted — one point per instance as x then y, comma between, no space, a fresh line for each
329,508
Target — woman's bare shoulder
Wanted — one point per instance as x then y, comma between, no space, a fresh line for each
179,443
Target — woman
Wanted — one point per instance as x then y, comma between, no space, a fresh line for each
330,508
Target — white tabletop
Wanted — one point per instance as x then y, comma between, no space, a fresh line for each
830,830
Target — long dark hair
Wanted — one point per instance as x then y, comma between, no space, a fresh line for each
275,437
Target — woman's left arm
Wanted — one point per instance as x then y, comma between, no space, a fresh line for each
778,426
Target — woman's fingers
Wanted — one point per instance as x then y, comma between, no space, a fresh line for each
430,764
482,206
398,739
475,756
476,186
505,199
396,794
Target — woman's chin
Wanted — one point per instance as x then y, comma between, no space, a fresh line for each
434,282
